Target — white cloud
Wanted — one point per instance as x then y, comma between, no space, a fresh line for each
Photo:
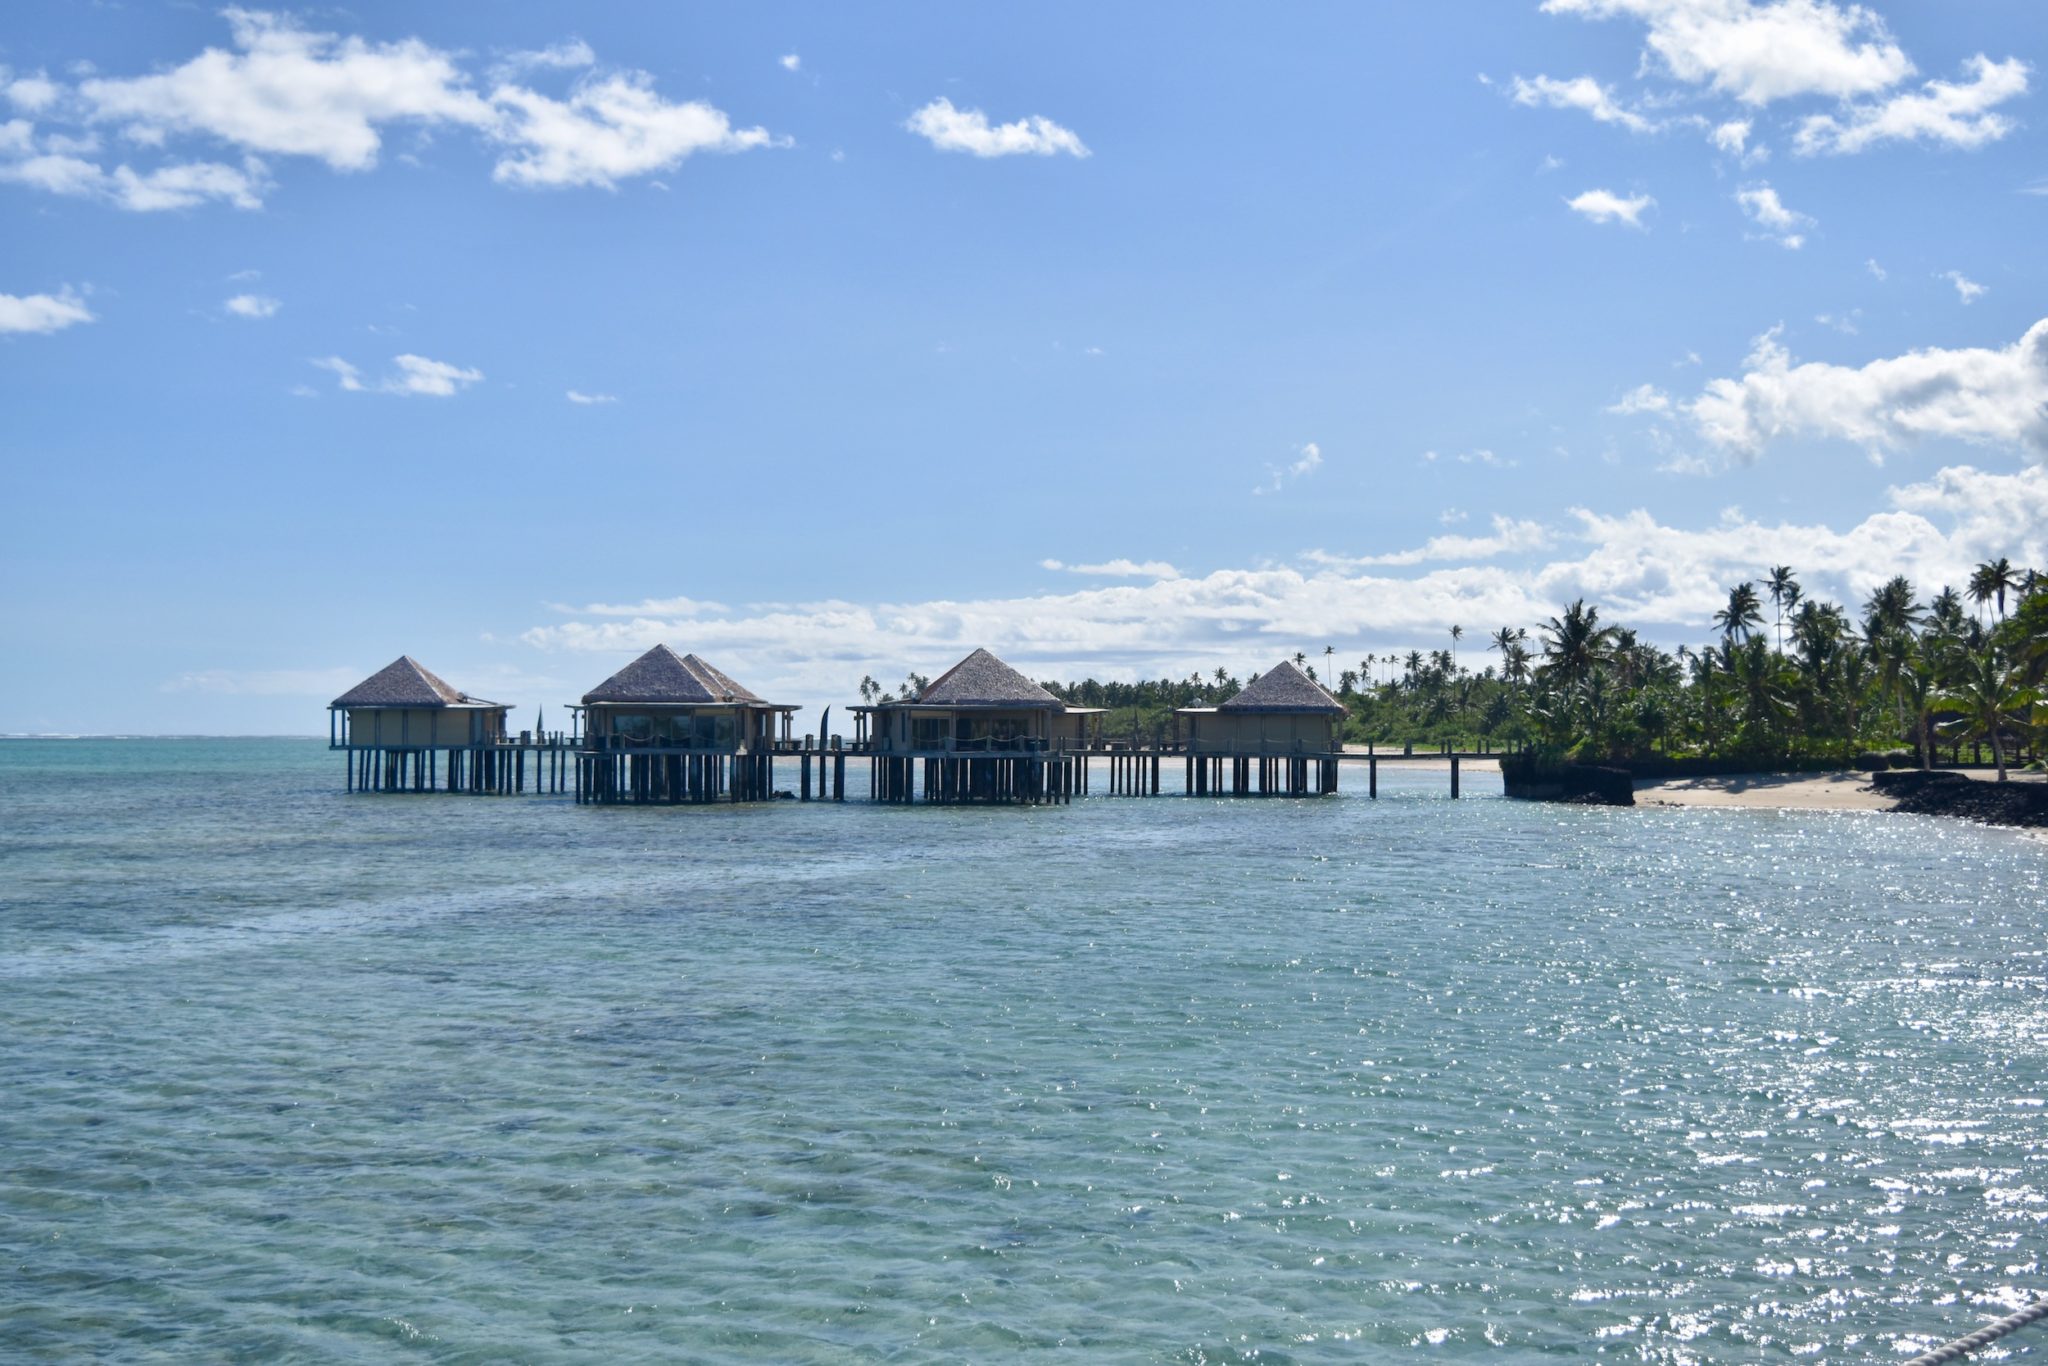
291,91
32,93
1665,580
1848,324
51,164
1116,569
646,607
566,56
792,62
1509,536
1605,206
1731,137
42,312
283,90
1644,398
1968,290
1581,93
607,130
1877,271
577,396
1782,225
433,378
968,130
253,306
1761,52
1958,114
345,375
415,376
1989,397
1308,459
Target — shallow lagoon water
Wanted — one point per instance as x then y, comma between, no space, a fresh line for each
292,1072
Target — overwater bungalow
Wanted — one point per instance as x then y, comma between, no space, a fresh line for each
395,722
1283,729
981,731
674,728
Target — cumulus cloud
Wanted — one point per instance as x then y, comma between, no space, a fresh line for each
415,376
1308,459
253,306
1116,569
792,62
291,91
1968,290
1731,137
1644,398
1605,206
1958,114
1581,93
968,130
1665,579
31,93
38,313
51,163
1993,397
283,90
1780,224
608,130
1762,52
1509,535
578,396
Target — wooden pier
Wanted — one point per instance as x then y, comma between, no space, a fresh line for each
492,770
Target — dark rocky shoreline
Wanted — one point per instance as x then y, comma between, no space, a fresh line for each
1944,792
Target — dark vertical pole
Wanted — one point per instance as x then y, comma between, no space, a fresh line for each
1372,778
1454,777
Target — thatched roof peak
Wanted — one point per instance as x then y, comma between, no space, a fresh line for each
405,682
1284,687
982,680
662,675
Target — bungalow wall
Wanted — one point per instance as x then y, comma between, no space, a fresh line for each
425,727
1262,733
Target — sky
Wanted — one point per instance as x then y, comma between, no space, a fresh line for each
1126,341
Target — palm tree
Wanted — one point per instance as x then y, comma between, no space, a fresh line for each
1994,579
1574,644
1299,659
1457,634
1328,650
1891,608
1990,693
1742,615
1784,591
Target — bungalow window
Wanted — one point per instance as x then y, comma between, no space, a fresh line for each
712,730
998,728
928,732
633,728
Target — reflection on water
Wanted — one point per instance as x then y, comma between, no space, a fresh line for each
292,1072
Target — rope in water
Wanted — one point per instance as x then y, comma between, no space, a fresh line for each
1983,1337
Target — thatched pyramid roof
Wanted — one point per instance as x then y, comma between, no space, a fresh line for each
405,682
982,680
662,675
1284,688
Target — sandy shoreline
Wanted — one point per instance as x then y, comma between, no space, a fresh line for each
1843,791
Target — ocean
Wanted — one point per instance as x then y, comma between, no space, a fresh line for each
290,1073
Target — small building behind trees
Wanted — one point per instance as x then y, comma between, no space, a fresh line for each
1280,734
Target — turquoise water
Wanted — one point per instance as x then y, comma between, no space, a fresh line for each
293,1073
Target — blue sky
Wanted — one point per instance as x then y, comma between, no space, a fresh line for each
1121,341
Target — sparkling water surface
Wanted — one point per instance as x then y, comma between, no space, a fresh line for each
286,1072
